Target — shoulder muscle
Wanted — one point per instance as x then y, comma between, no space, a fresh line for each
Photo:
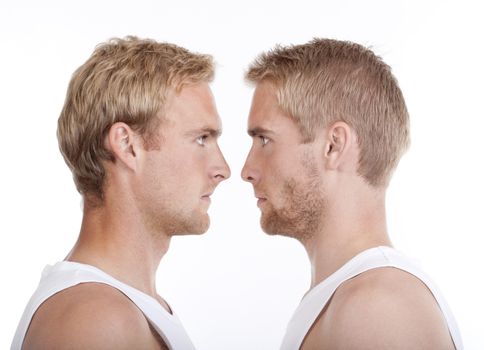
384,308
89,316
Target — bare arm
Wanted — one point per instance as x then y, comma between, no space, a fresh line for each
90,316
381,309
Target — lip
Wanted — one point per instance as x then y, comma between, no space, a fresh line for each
206,198
260,201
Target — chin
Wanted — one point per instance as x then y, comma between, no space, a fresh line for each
272,230
270,226
195,225
201,228
276,225
202,225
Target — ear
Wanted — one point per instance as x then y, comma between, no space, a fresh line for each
340,140
122,141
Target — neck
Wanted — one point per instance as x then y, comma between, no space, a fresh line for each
347,228
116,240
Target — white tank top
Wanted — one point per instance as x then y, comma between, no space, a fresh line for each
66,274
314,301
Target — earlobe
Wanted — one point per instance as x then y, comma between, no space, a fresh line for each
122,144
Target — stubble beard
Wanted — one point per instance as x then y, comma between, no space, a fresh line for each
302,214
178,222
194,223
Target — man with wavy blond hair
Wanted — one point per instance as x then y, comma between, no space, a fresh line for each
139,132
329,125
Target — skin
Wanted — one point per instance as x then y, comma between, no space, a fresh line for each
383,308
280,166
129,234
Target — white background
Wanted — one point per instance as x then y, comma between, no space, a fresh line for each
236,288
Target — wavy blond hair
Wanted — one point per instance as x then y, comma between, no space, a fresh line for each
124,80
325,81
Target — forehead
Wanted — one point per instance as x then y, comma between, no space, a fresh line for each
265,112
193,107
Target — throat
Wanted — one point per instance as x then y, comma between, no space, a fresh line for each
327,256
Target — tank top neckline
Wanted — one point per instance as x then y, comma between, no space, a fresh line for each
67,265
341,271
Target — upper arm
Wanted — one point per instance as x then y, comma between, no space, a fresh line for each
90,316
383,310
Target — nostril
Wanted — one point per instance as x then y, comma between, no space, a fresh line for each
247,175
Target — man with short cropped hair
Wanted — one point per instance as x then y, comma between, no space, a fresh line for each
139,132
329,125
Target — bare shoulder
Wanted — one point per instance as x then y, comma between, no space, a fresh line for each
89,316
384,308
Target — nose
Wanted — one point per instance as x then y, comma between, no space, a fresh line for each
221,171
249,173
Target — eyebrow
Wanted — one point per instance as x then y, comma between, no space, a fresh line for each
205,130
258,131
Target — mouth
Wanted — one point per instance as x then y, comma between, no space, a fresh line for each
261,201
206,197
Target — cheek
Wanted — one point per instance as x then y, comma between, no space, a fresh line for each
187,170
277,168
182,161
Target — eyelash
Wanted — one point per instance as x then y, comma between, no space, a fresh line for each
264,140
201,140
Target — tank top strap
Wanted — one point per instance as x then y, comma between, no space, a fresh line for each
316,299
66,274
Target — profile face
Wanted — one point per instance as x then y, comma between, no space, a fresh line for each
179,177
284,172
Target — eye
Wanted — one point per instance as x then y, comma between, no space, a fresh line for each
263,140
201,140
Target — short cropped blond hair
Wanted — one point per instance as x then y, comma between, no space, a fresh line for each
325,81
124,80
